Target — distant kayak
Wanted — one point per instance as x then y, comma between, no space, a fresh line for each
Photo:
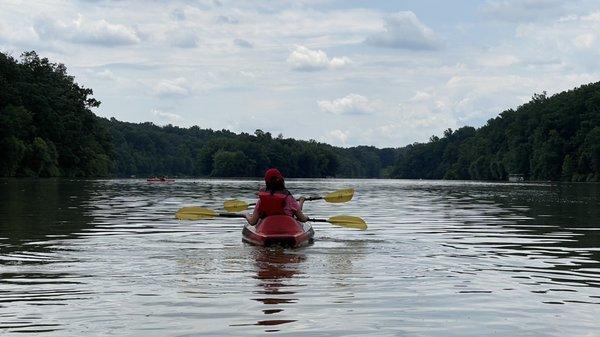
280,230
160,180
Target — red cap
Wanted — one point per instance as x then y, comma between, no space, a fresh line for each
273,174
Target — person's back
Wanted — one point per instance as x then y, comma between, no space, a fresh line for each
273,203
275,199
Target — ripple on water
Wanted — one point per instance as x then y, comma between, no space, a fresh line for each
439,258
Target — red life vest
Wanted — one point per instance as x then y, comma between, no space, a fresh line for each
271,204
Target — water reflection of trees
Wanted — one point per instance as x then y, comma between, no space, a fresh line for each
34,214
38,210
554,223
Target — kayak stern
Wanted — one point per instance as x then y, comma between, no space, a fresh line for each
279,230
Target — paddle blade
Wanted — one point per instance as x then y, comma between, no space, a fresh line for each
339,196
195,213
235,205
348,221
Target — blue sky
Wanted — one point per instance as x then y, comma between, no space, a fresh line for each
383,73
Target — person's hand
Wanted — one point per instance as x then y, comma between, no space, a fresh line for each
249,219
301,202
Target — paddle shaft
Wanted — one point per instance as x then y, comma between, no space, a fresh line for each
305,199
230,215
338,196
198,213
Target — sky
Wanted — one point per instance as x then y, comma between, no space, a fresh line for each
382,73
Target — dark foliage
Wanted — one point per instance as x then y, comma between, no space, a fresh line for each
146,149
48,129
549,138
46,126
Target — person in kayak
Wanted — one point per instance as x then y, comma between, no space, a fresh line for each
275,199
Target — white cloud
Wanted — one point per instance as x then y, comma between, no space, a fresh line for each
338,136
19,35
243,43
572,39
227,19
421,96
352,104
304,59
168,117
585,40
484,66
178,14
182,38
499,60
593,17
248,74
172,88
403,30
80,30
106,75
521,10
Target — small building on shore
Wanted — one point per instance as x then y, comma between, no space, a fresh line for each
516,177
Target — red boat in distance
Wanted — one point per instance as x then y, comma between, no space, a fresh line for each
160,180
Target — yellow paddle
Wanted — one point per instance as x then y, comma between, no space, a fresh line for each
344,221
338,196
198,213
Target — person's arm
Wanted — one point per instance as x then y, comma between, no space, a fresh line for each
301,216
255,216
298,212
301,202
252,219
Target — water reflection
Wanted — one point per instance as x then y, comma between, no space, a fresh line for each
502,259
36,212
544,239
36,216
275,270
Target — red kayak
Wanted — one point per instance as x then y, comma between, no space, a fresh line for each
280,230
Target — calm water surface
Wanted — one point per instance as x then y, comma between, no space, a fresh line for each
107,257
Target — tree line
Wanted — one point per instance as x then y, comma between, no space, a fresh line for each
46,126
548,138
47,129
147,149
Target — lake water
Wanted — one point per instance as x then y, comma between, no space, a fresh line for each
107,257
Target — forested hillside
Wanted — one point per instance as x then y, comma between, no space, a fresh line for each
549,138
147,149
47,129
46,126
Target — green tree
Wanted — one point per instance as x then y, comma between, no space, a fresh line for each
591,154
232,164
568,168
547,156
49,116
13,151
43,161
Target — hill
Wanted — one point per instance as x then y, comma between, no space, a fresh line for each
47,129
548,138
